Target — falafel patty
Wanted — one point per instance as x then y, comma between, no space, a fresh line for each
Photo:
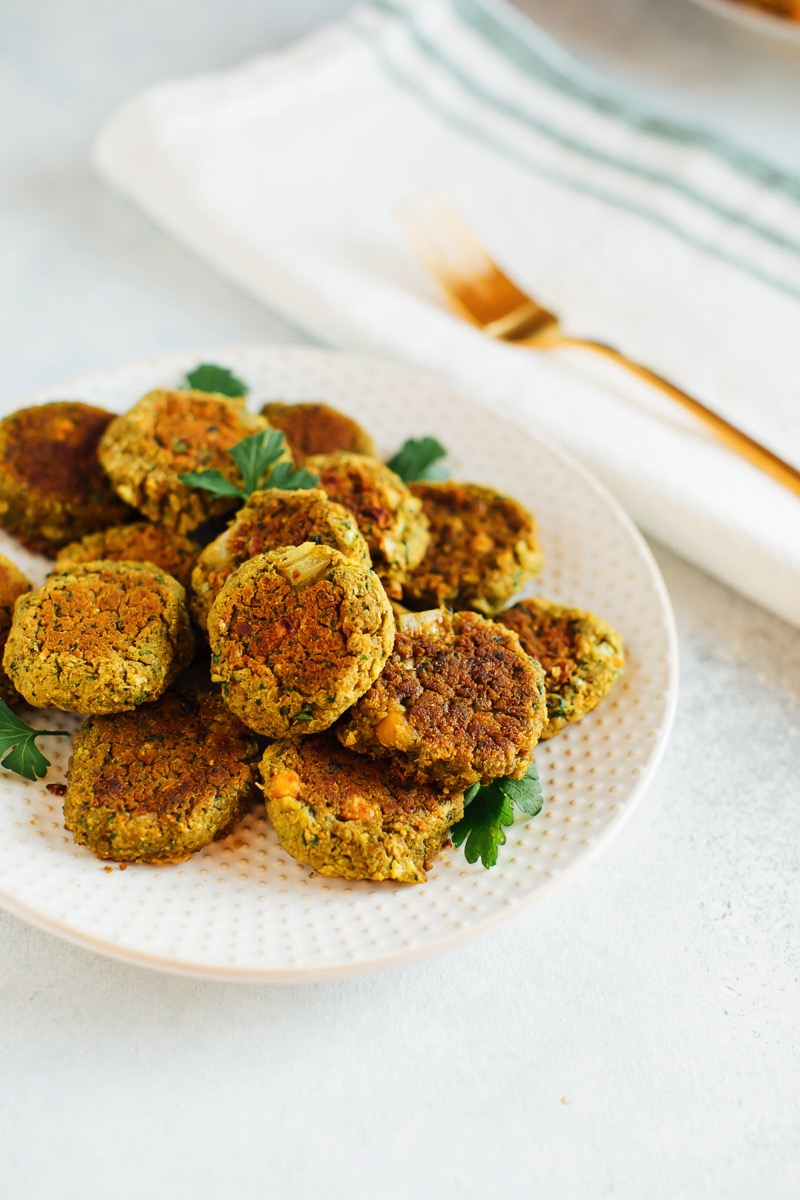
581,654
482,548
161,783
140,542
167,434
12,584
297,635
100,637
317,429
390,518
52,486
270,519
348,817
459,702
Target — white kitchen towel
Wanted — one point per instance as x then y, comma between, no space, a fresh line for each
682,249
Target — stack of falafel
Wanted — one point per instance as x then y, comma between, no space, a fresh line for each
357,625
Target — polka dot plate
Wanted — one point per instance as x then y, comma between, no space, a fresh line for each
242,909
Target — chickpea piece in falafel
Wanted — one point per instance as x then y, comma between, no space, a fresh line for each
52,486
270,519
158,784
459,702
297,635
100,637
390,518
12,585
140,542
168,434
348,817
482,548
581,654
313,428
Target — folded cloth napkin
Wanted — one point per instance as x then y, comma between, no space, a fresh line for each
680,248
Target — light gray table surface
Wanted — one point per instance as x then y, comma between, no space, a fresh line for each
633,1036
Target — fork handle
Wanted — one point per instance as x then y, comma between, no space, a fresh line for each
780,470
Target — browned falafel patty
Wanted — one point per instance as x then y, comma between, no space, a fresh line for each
270,519
99,637
168,434
349,817
459,702
297,635
581,654
12,585
317,429
140,542
158,784
52,486
482,548
389,517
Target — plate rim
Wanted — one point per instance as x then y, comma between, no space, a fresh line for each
173,359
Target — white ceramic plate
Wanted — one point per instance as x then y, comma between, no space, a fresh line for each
756,19
242,909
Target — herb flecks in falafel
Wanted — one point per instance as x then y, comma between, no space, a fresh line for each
268,520
159,784
297,635
582,656
53,488
458,703
313,428
390,518
99,637
483,547
349,817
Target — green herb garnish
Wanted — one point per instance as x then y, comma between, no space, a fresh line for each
18,744
208,377
488,809
257,459
417,459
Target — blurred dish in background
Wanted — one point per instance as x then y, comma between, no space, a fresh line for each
778,17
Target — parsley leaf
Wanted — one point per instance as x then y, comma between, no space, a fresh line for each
212,481
257,459
255,455
488,809
18,745
284,475
207,377
417,458
481,827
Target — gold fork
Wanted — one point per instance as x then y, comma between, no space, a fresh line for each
478,290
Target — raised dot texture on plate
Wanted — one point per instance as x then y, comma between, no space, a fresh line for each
242,909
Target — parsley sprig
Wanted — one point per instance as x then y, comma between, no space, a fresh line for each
489,810
419,458
18,745
208,377
257,459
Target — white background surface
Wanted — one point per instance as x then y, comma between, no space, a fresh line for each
630,1038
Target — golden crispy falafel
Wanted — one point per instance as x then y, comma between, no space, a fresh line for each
348,817
390,518
100,637
459,702
168,434
161,783
52,486
270,519
482,548
297,635
12,585
581,654
140,542
317,429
